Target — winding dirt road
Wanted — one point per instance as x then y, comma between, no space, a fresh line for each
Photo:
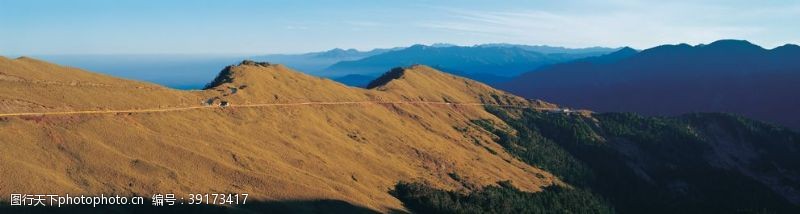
154,110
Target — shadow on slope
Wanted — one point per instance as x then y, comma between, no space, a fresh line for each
291,206
504,198
695,163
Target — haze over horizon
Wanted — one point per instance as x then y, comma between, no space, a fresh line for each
252,27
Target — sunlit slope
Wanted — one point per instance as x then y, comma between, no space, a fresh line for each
32,85
423,83
354,152
252,82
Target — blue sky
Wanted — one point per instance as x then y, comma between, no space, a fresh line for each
35,27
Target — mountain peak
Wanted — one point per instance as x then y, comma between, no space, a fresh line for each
253,63
418,46
787,48
615,56
341,51
626,49
442,45
395,73
33,60
424,83
337,53
267,83
400,73
232,72
227,74
624,52
730,44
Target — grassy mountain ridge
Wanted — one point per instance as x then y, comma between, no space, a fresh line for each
351,152
34,85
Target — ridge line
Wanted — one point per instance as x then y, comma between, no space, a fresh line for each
155,110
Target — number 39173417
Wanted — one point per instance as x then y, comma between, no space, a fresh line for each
218,198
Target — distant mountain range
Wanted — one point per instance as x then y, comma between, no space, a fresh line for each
725,76
356,80
489,63
545,49
316,62
178,71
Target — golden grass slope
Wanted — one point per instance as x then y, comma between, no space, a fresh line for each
278,84
32,85
424,83
350,152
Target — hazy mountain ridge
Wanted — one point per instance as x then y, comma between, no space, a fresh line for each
546,49
486,63
316,62
192,71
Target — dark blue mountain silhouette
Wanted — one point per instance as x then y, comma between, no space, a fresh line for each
732,76
355,80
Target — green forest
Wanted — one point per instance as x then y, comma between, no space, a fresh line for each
628,163
503,198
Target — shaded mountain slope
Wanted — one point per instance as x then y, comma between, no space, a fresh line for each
725,76
350,152
696,163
